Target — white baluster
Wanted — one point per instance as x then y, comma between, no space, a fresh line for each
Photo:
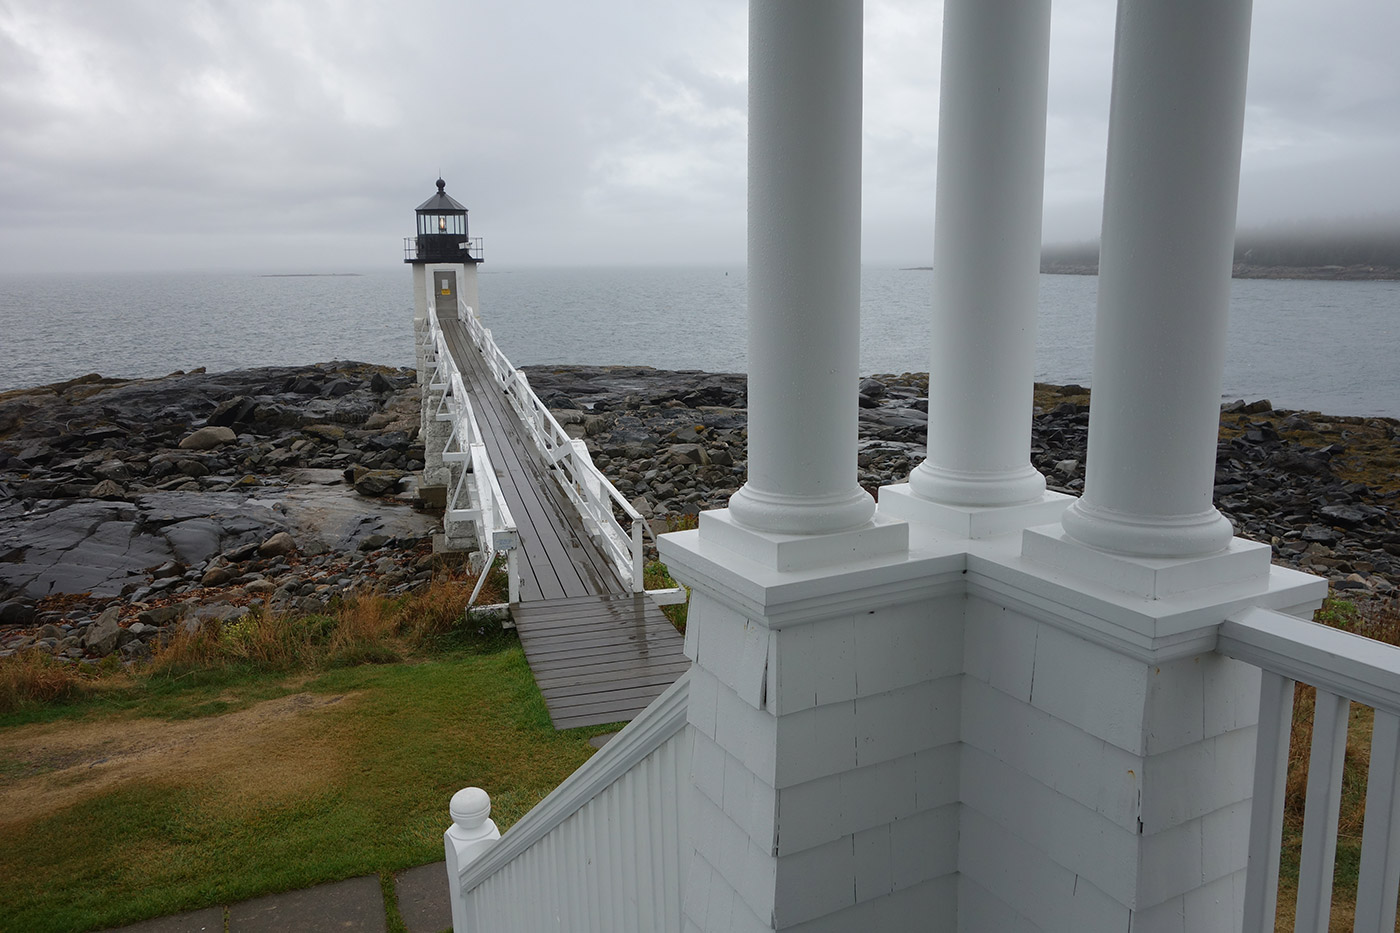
1266,817
1329,745
1379,883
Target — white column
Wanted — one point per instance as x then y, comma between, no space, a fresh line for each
804,268
1175,129
986,261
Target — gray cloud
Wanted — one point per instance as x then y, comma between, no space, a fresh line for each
279,135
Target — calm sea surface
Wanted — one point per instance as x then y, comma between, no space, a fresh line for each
1328,346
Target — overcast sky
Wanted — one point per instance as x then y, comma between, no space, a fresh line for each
300,135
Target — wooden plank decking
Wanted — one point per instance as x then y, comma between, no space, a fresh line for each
599,659
599,653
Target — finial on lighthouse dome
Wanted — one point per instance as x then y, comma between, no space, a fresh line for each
442,186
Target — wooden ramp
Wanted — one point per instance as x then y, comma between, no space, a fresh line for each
599,658
599,653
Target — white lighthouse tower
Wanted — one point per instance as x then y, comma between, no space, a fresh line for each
444,260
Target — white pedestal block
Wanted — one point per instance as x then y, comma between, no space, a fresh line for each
879,537
1107,760
1052,726
970,521
824,711
1147,577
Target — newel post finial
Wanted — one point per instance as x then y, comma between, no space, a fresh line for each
471,835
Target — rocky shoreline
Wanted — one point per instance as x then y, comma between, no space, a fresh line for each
132,509
1323,490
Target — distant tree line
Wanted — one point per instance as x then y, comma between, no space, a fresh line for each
1271,248
1319,248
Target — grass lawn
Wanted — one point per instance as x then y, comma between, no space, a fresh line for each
215,786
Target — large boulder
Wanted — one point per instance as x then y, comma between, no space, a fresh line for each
107,489
279,545
207,438
105,634
17,612
377,482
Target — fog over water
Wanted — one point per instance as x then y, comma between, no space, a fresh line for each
1327,346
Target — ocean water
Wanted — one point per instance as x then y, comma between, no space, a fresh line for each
1328,346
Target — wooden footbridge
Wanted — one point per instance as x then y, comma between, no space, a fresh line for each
599,647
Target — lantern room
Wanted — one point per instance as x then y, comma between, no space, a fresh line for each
442,232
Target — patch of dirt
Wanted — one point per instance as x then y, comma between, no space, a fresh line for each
270,751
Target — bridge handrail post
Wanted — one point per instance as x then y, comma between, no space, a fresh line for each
638,577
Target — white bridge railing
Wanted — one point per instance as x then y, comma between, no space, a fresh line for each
476,496
1345,668
603,508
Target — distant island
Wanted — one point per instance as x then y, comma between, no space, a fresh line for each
1357,253
310,275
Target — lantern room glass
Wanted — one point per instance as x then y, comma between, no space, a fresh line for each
430,224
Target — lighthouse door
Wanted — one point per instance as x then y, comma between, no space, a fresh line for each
445,292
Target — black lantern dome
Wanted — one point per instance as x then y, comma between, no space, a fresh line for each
442,232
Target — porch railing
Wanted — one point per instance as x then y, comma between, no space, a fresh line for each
599,854
604,510
476,496
1345,668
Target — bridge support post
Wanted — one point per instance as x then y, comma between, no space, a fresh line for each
420,317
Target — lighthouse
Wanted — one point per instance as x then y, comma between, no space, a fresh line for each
444,260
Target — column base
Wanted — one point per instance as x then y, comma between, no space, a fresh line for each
970,521
879,537
780,513
1146,577
1195,535
980,488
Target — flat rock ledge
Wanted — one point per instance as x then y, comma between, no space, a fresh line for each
132,508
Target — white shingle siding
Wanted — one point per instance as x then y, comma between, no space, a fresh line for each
1019,876
980,909
1066,832
1083,767
999,647
1173,789
1111,768
1089,686
907,720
